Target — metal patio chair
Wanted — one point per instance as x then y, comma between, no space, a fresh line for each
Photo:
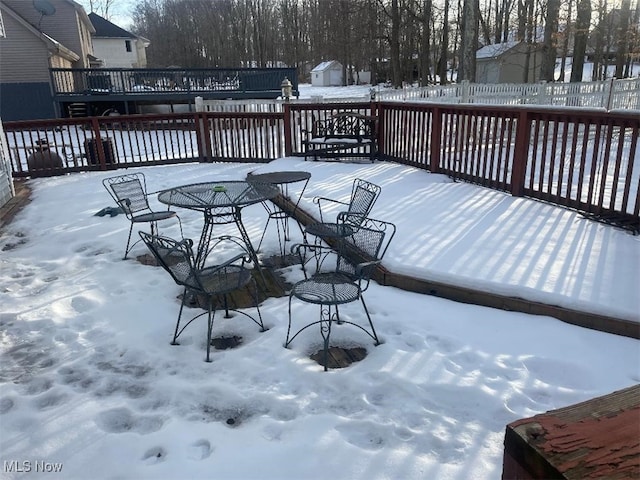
363,196
361,253
215,282
130,193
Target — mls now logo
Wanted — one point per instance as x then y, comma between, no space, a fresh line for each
25,466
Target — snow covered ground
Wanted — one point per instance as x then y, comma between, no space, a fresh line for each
89,383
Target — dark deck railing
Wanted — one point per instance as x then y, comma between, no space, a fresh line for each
582,159
123,83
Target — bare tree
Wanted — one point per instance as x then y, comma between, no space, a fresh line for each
104,8
583,20
567,32
623,37
444,46
469,44
394,44
549,50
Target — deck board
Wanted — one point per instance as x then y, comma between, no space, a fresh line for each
599,438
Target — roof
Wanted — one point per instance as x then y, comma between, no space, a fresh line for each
104,28
495,50
321,67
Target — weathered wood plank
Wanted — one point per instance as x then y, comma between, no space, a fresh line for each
599,438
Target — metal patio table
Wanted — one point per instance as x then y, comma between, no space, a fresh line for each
221,203
281,216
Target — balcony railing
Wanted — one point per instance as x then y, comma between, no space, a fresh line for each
207,82
579,158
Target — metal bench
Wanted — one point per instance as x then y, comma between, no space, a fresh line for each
343,133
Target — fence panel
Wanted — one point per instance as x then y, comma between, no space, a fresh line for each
405,133
245,137
585,160
54,147
608,94
478,146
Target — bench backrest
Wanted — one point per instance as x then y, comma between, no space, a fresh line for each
347,125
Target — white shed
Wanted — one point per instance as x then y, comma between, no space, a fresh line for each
505,63
6,181
327,74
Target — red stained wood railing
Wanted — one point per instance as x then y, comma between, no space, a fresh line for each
578,158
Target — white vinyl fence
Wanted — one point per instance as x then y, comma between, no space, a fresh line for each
610,94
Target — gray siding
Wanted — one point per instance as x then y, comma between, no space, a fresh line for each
23,57
26,101
63,26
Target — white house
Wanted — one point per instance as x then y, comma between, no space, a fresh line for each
327,74
116,47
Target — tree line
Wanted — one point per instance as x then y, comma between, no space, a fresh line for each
424,41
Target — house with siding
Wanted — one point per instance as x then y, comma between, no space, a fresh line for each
116,47
33,43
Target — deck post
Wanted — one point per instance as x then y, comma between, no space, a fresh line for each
288,148
95,128
203,136
520,154
434,140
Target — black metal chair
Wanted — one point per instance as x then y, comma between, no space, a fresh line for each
130,193
215,283
363,196
361,253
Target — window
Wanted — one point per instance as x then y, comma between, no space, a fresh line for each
127,45
2,35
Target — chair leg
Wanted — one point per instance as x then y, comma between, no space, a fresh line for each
373,330
180,225
126,250
175,333
255,302
287,341
325,331
211,314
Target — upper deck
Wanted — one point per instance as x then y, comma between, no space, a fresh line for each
168,84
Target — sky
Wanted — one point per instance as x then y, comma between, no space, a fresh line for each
120,11
90,384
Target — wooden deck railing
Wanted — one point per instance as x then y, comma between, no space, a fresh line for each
582,159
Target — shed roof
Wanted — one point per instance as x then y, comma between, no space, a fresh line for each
495,50
321,67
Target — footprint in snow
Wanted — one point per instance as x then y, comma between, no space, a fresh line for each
6,404
154,455
120,420
199,450
365,435
82,304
